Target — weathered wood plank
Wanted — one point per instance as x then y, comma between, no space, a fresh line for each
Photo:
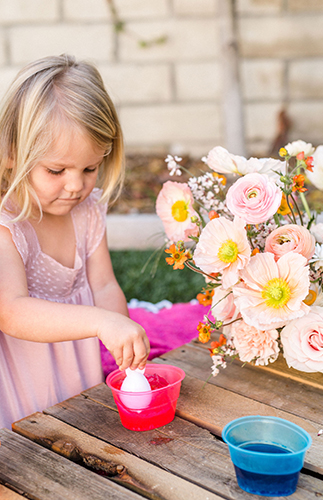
44,475
185,449
194,405
65,439
261,385
7,494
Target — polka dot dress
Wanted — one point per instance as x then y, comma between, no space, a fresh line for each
35,375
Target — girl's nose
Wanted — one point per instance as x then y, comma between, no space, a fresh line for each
74,183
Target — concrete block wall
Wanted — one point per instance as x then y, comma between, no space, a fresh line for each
170,95
281,51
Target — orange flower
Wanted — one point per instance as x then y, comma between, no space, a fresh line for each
254,251
284,208
309,163
222,341
216,345
298,183
178,256
310,297
213,215
300,156
221,178
205,298
204,332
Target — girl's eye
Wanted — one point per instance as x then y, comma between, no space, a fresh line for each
54,172
90,170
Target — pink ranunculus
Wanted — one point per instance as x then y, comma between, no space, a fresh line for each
253,344
290,238
302,341
223,247
270,293
174,205
254,197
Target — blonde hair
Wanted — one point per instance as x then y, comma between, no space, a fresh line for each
44,92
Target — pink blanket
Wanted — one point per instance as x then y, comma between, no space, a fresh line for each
166,329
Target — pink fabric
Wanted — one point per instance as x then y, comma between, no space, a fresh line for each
166,330
35,375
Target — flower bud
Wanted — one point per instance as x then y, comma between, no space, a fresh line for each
283,152
286,180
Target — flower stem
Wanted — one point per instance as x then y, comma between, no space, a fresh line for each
233,321
290,208
305,204
298,210
196,270
303,198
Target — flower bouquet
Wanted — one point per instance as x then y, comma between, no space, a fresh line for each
260,249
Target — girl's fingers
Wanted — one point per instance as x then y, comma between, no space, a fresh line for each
127,356
132,354
141,351
118,356
147,344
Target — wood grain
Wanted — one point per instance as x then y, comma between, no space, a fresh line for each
65,439
42,474
188,451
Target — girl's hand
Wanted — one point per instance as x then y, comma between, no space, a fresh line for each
126,341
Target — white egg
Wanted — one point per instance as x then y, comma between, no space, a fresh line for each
135,381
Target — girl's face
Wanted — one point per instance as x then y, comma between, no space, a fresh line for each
66,175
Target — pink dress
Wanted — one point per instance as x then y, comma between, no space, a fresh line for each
34,375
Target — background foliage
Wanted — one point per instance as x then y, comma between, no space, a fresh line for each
167,283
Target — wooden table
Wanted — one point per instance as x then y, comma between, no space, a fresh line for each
79,450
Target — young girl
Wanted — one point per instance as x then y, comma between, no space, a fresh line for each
61,159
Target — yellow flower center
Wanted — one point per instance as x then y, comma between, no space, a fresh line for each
180,211
276,293
228,252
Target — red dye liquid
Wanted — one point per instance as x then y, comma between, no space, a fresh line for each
147,419
156,381
164,394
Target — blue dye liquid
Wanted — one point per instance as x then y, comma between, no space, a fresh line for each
266,484
264,448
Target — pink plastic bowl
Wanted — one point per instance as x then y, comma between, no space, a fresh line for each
161,404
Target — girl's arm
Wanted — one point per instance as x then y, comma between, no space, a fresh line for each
106,291
43,321
105,288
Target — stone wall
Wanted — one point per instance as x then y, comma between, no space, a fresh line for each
170,95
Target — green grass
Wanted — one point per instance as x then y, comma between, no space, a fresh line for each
167,283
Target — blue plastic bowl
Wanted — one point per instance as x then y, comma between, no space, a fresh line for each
267,453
